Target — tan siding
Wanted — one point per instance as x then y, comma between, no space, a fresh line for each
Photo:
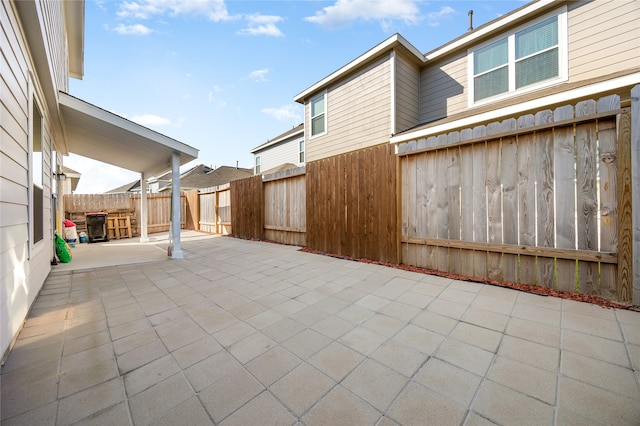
603,38
407,94
358,113
24,269
53,15
443,88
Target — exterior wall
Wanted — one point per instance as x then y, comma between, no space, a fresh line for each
603,39
24,266
407,93
53,12
358,113
281,153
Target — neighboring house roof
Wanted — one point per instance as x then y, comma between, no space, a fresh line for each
393,42
127,187
281,167
225,174
202,176
296,131
72,175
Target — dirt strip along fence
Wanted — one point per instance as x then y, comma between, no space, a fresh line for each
76,207
540,200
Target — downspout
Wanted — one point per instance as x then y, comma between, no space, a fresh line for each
175,206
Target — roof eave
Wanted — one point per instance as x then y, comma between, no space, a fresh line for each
74,22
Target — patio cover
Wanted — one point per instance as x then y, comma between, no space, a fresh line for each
95,133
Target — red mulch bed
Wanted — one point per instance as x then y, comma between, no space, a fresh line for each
542,291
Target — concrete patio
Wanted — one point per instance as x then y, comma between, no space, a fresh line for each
244,333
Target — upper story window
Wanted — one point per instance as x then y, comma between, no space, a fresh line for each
530,57
318,115
301,151
257,172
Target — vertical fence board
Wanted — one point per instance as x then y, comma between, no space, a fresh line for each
587,199
479,202
545,196
526,200
466,202
509,163
432,208
454,202
443,208
564,159
494,202
608,192
625,211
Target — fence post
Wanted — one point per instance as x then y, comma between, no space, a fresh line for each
625,217
635,191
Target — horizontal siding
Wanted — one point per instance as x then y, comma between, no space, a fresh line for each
286,152
53,14
358,113
443,88
24,269
604,37
407,94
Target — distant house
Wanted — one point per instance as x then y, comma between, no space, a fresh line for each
197,177
284,151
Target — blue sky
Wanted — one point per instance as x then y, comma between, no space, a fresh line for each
220,75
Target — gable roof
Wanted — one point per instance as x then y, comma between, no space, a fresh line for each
289,134
393,42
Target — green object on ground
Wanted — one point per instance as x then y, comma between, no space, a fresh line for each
62,249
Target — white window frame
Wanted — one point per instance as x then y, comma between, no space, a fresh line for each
563,60
324,96
256,166
35,104
301,151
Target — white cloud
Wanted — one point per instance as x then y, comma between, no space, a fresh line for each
150,120
215,10
262,25
97,177
285,113
345,11
137,29
259,75
435,18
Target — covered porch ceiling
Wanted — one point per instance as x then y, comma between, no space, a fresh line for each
98,134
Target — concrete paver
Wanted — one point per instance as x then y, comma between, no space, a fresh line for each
242,333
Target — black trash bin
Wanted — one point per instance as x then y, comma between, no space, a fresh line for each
97,227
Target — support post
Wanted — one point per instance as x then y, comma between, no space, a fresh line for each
144,209
175,206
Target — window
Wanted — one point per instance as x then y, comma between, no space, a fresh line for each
530,57
301,151
318,115
36,169
257,165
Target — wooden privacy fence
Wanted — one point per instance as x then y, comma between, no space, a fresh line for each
285,206
351,204
247,213
540,199
76,206
215,209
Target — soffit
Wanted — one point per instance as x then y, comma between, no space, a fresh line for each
95,133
